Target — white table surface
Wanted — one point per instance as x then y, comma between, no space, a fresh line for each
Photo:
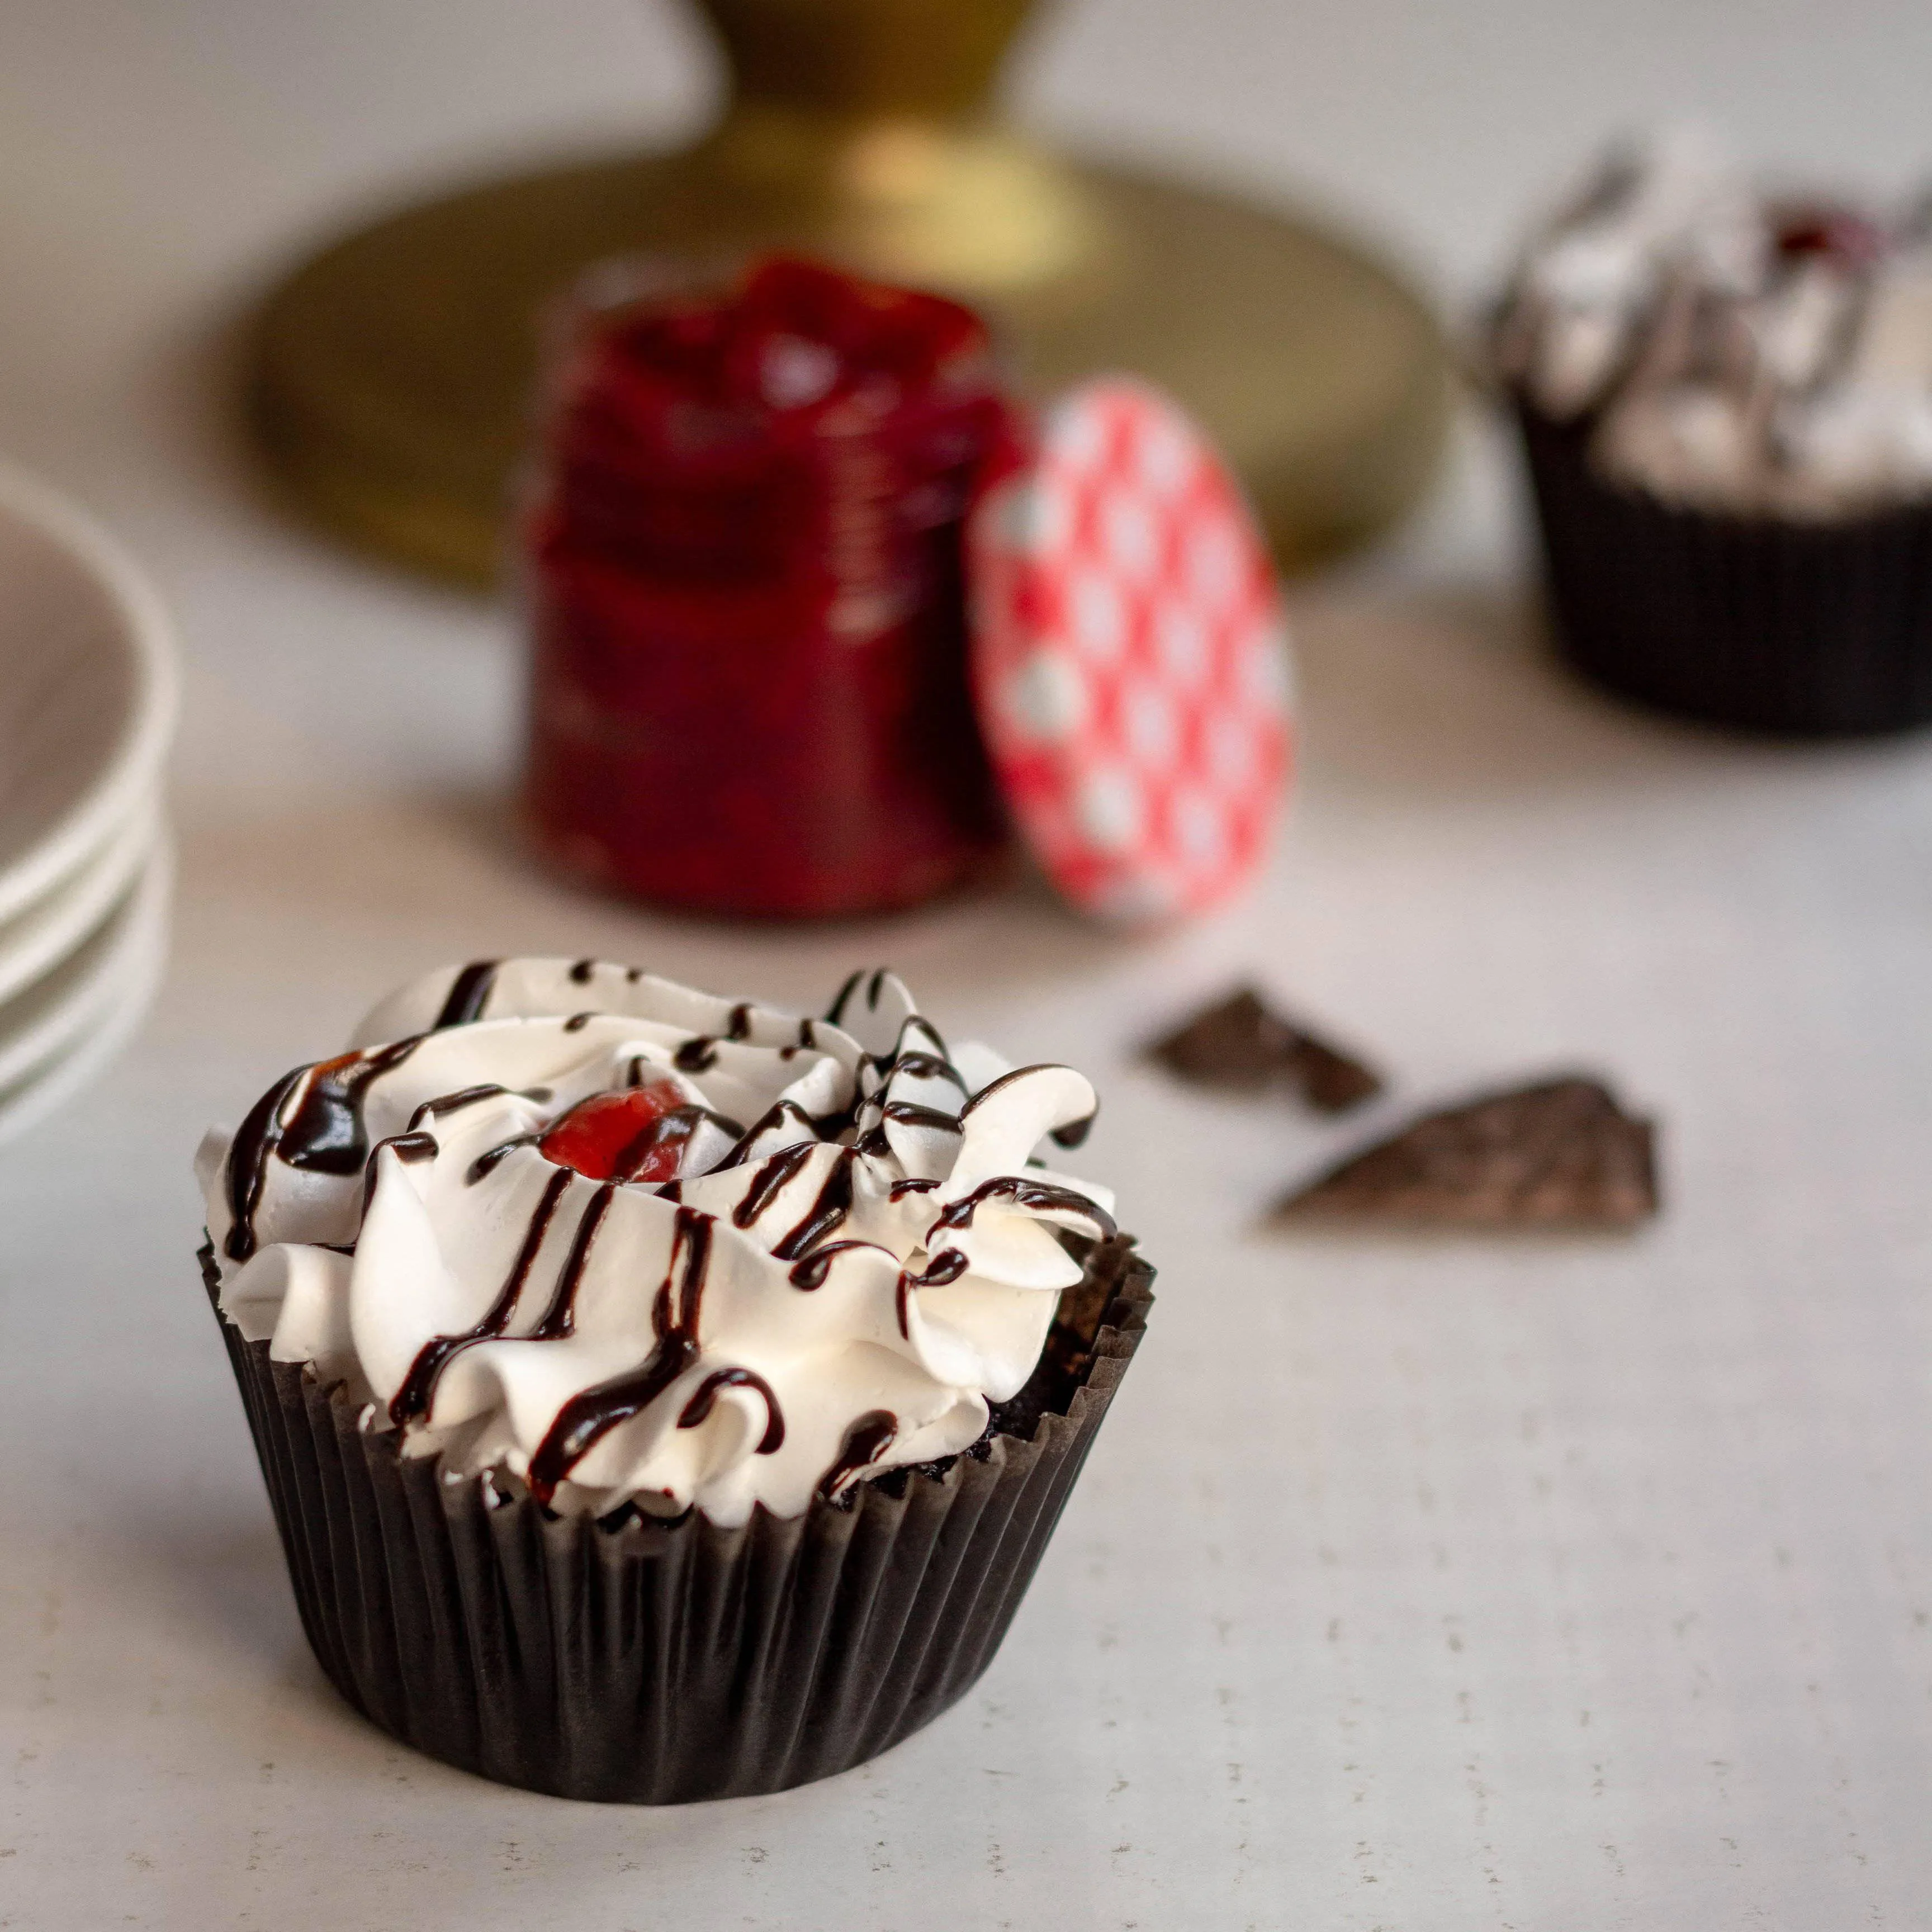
1415,1583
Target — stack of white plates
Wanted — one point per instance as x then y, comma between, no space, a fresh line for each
87,693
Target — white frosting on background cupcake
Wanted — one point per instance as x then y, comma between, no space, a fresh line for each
1727,349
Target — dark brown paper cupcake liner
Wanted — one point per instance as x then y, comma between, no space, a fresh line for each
1813,629
649,1662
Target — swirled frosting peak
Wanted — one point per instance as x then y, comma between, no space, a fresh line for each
1727,349
636,1244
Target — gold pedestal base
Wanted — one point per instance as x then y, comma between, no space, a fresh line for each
393,371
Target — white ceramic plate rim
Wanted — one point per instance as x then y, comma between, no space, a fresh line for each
135,765
133,931
64,918
29,1101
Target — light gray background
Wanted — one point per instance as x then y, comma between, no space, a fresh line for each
1429,1585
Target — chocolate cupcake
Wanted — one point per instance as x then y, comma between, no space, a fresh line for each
661,1398
1726,404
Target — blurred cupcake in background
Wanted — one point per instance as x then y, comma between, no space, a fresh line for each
1725,397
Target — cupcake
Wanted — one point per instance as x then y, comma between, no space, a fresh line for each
662,1397
1726,403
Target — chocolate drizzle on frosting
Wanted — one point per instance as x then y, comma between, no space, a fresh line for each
771,1180
559,1319
672,1130
812,1272
487,1163
412,1399
468,1096
698,1055
700,1405
835,1014
833,1204
916,1065
865,1442
408,1148
248,1167
591,1415
948,1265
469,994
785,1114
910,1113
1041,1197
1069,1135
323,1134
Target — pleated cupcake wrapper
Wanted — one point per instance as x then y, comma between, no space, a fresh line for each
1777,625
657,1664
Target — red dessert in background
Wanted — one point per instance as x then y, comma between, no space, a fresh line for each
749,688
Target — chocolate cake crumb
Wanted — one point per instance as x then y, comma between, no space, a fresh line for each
1560,1153
1240,1044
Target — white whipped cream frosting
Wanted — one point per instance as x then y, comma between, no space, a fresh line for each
1717,369
854,1257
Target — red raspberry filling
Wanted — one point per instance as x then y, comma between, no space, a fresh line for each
749,690
620,1136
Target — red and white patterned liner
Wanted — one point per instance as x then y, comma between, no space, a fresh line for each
1130,657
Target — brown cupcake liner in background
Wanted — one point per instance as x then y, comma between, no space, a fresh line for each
1797,628
658,1663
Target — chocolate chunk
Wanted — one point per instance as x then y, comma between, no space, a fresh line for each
1560,1154
1242,1044
1329,1079
1238,1043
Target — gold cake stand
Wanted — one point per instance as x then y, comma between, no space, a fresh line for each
392,372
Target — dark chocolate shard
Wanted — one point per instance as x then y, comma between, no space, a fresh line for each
1241,1044
1329,1078
1560,1153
